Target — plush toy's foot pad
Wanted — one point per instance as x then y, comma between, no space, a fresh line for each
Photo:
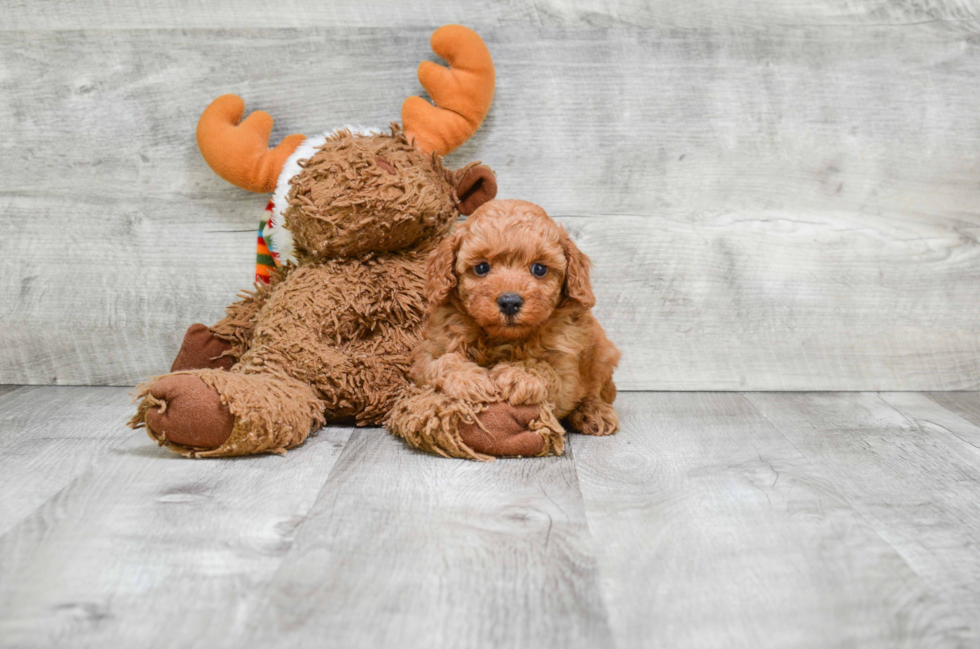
202,350
188,412
505,431
432,421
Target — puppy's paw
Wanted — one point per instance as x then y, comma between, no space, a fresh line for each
475,387
517,385
594,417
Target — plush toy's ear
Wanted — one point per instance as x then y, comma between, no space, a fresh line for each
577,286
475,185
440,273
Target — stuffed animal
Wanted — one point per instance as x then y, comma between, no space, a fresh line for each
355,215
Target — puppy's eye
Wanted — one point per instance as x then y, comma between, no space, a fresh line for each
481,269
539,270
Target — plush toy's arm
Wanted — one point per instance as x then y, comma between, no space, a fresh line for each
239,322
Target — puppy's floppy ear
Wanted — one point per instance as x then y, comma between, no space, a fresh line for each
577,286
475,185
440,271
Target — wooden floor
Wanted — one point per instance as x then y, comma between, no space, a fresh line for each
711,520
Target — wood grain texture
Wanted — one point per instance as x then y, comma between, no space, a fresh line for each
796,520
5,389
712,530
148,549
964,404
50,435
410,550
117,14
911,470
767,208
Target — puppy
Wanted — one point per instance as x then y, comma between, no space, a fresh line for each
509,319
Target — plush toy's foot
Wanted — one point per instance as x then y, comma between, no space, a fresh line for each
202,350
594,417
215,413
434,422
503,431
186,411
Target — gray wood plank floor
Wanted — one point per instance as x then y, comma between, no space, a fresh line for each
710,520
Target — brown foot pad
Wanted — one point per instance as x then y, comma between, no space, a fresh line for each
202,350
506,433
190,412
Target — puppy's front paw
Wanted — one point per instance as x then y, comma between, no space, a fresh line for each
594,417
518,386
475,387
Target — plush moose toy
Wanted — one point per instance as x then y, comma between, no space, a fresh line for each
355,215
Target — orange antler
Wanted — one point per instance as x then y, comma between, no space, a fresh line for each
462,93
240,153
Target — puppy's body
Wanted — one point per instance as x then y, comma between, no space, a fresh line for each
509,319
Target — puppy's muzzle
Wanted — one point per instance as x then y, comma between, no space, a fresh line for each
510,303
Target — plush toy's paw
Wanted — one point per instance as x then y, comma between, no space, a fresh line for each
517,385
506,431
474,387
190,412
594,417
202,350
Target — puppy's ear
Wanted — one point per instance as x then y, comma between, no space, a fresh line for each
578,286
440,272
475,185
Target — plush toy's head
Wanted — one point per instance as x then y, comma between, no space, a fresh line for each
360,193
354,191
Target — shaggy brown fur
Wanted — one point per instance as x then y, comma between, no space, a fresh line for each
550,353
331,337
369,194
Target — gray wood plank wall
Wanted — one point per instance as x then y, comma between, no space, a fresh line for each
776,195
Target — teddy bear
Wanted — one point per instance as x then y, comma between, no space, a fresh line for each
355,214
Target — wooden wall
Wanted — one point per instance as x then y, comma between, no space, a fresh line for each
776,195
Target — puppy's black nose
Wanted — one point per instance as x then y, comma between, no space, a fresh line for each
510,303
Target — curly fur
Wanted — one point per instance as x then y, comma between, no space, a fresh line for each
272,413
431,420
553,352
236,327
332,336
361,194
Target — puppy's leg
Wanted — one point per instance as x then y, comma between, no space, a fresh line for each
608,391
458,377
525,382
595,416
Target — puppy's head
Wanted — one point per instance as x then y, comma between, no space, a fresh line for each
509,266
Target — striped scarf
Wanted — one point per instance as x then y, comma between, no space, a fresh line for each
266,259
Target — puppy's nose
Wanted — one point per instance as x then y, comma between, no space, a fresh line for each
510,303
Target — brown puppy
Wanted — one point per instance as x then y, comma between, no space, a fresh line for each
509,319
